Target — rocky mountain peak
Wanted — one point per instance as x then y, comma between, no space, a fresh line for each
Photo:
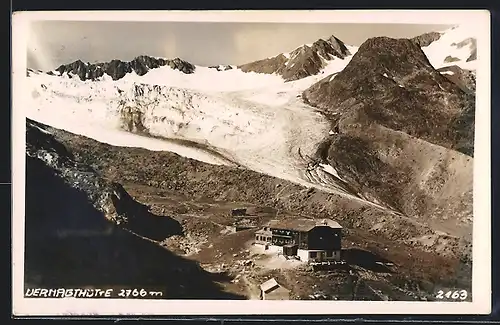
302,62
426,39
383,45
117,69
323,48
402,60
391,81
339,46
390,111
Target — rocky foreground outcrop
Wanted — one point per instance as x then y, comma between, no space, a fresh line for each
117,69
85,231
106,197
404,133
302,62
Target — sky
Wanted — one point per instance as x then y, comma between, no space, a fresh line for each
52,43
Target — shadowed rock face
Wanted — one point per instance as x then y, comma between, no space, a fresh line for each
268,66
109,198
339,47
85,231
117,69
426,39
404,132
464,79
473,55
450,58
221,67
303,62
471,43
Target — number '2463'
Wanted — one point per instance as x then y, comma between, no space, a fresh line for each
457,294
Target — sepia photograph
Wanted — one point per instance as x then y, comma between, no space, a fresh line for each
251,162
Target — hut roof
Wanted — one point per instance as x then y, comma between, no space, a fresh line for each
270,285
302,224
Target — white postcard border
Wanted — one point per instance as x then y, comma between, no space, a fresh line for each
481,277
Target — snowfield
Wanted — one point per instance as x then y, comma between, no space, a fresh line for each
253,120
457,43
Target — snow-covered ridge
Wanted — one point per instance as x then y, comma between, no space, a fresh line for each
304,61
456,46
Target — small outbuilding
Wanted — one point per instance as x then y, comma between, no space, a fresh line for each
272,290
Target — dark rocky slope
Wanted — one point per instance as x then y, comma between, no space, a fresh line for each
199,181
85,231
464,79
302,62
404,133
117,69
393,83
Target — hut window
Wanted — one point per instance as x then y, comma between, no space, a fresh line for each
329,254
312,254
